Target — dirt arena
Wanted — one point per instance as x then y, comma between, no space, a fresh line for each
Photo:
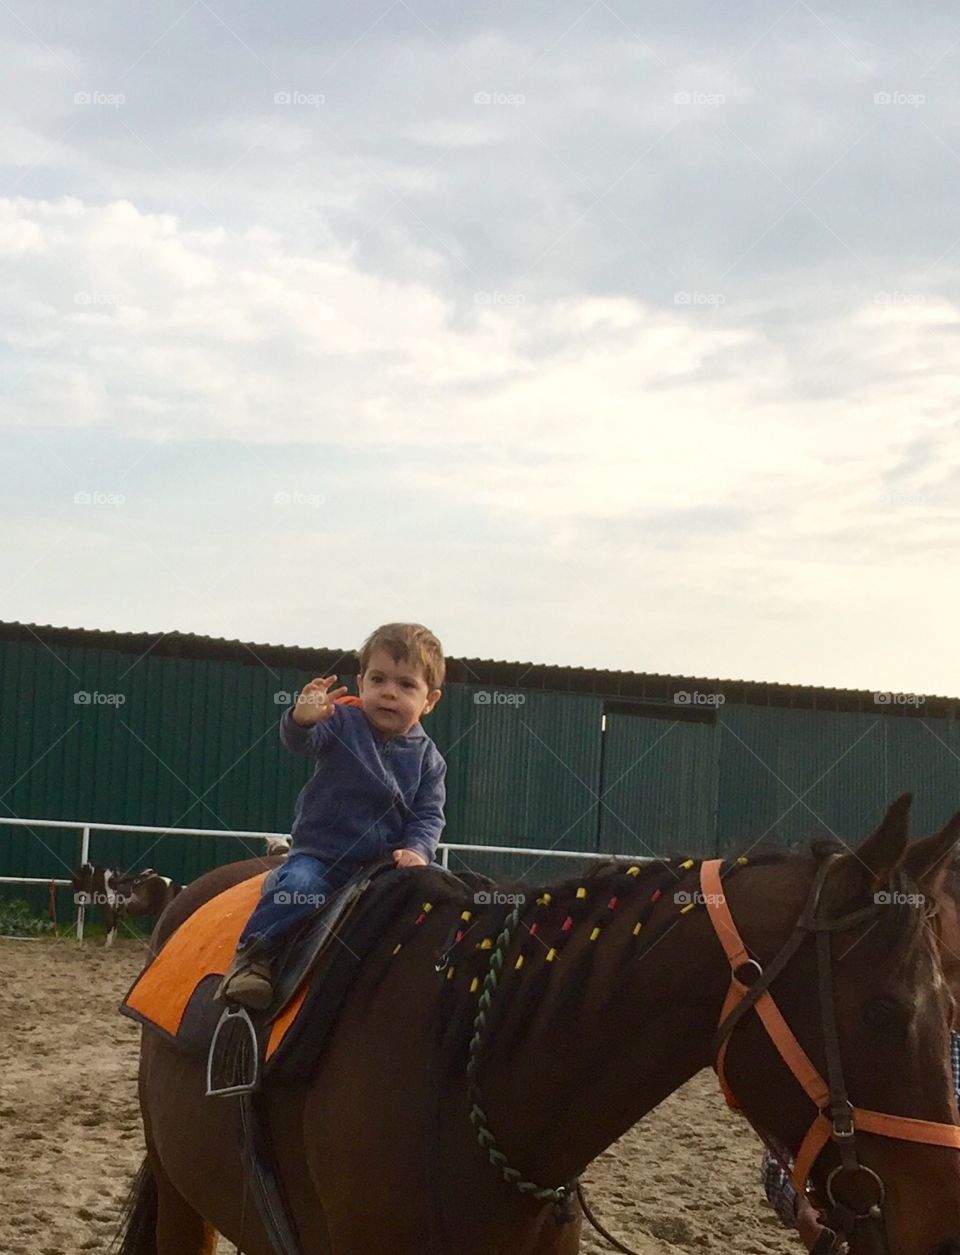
70,1134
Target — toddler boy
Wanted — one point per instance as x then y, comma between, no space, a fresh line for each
377,789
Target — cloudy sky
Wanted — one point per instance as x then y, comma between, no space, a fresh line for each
593,333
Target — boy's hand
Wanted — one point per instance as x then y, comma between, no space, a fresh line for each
315,701
808,1224
408,858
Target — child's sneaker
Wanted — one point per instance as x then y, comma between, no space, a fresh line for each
250,985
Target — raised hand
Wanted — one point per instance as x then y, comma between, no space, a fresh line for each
315,701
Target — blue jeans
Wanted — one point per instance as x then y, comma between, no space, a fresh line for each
291,893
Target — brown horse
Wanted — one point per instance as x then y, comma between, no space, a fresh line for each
600,1022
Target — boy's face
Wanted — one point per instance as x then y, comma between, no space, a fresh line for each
395,694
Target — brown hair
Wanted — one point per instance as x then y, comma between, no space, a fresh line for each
411,643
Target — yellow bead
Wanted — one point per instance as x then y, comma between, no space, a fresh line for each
475,984
397,948
581,892
487,943
687,865
519,963
551,955
637,929
633,871
466,916
595,934
450,972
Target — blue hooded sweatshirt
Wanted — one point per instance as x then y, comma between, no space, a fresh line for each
369,794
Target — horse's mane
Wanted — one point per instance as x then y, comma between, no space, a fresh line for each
578,905
554,914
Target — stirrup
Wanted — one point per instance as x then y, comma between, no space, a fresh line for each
233,1060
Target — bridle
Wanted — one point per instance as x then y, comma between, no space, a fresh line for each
837,1120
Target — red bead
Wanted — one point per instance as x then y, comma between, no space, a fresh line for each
612,904
567,924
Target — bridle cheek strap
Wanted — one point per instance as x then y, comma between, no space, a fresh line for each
792,1053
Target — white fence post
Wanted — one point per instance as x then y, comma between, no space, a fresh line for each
84,858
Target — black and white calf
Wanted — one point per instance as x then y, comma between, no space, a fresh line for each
122,895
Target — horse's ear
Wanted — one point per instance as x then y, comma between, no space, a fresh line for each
882,852
928,861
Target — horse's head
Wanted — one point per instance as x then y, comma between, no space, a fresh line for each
878,975
81,879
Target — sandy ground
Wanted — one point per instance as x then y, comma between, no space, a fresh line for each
70,1137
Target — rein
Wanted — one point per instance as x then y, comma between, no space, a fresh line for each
558,1195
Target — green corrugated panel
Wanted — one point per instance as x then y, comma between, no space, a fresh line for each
787,776
523,774
659,787
923,757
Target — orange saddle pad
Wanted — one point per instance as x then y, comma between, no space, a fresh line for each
201,948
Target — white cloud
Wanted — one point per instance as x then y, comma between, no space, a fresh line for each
419,297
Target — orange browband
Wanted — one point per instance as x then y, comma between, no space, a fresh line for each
793,1054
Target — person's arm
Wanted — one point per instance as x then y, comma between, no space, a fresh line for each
421,832
779,1190
795,1212
308,740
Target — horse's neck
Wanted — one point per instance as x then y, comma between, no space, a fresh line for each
571,1088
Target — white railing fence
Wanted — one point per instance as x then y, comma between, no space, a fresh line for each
85,829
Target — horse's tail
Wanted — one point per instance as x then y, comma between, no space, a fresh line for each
137,1231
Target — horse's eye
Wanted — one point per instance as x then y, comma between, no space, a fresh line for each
883,1012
